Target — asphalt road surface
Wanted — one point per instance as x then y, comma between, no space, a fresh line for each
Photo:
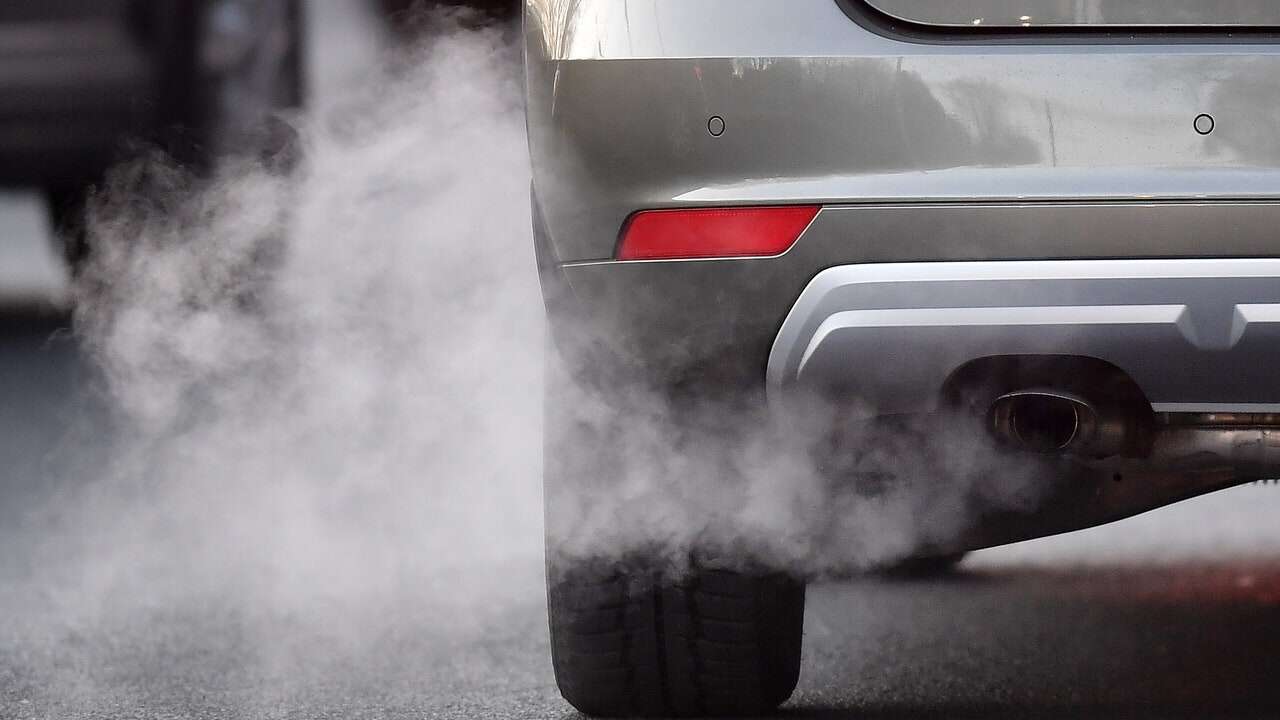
1174,614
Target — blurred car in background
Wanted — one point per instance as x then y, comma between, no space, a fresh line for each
87,83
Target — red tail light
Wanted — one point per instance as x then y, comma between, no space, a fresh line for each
713,232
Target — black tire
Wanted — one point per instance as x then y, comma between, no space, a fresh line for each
716,643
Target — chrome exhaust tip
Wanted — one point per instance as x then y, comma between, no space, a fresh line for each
1044,421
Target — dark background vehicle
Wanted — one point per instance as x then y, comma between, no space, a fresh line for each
84,85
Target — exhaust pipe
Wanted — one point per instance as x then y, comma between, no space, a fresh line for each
1052,421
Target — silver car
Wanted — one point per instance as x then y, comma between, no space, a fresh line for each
1052,222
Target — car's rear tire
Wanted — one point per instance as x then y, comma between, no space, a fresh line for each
631,633
717,642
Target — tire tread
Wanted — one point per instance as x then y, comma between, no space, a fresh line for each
718,643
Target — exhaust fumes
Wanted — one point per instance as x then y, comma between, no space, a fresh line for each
323,378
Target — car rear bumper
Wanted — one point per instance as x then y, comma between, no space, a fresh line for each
1195,335
725,317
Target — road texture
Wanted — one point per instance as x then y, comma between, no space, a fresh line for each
1173,614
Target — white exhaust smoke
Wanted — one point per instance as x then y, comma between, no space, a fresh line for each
325,379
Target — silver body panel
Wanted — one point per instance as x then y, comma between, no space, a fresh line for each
818,106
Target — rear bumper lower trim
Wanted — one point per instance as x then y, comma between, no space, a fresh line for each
1197,335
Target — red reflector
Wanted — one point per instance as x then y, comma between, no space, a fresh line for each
713,232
